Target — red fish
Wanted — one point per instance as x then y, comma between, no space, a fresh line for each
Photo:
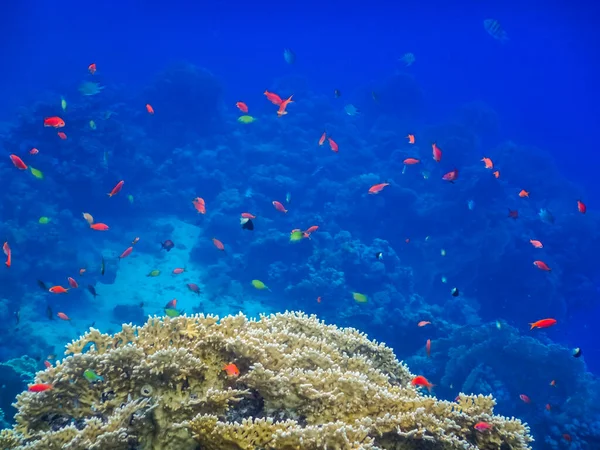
231,370
420,380
524,398
58,290
73,283
172,304
99,226
126,253
488,163
536,243
218,244
513,214
18,162
62,135
581,207
117,188
279,207
377,188
34,151
542,266
422,323
281,111
242,107
178,270
312,229
200,205
63,316
333,145
273,98
544,323
47,364
437,153
39,387
54,122
482,426
553,383
8,252
323,137
92,68
318,299
248,216
194,288
150,109
411,138
428,348
410,161
451,176
497,174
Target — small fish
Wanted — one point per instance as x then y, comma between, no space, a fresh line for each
359,298
171,304
153,273
126,253
8,252
567,437
17,315
337,93
377,188
411,161
428,348
542,266
116,189
322,138
62,316
42,285
536,243
523,193
72,282
379,255
451,176
171,312
260,285
92,125
167,245
279,206
92,68
135,241
289,56
39,387
178,270
543,323
495,30
333,145
54,122
576,352
411,138
408,59
18,162
296,236
471,205
150,109
49,315
194,288
247,215
218,244
351,110
497,174
284,103
455,292
437,153
92,290
36,173
91,376
130,198
513,214
423,323
246,119
62,135
525,398
318,299
581,207
99,226
546,216
63,103
288,197
34,151
242,107
420,380
482,426
82,271
488,163
44,220
58,290
47,364
231,370
246,224
200,205
102,266
553,383
273,98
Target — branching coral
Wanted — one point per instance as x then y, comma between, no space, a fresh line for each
302,384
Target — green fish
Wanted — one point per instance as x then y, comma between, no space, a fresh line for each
92,125
91,376
171,312
154,273
259,285
63,103
296,236
246,119
36,173
130,198
359,298
44,220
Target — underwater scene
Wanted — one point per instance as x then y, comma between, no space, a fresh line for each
299,226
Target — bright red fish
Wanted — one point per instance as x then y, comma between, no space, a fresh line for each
542,266
218,244
58,290
281,111
18,162
333,145
126,253
8,252
39,387
312,229
323,137
411,138
92,68
150,109
273,98
437,153
451,176
242,107
581,207
377,188
200,205
410,161
231,370
525,398
279,207
544,323
73,283
47,364
482,426
54,122
248,216
172,304
99,226
117,188
420,380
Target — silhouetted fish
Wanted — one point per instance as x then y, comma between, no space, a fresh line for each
42,285
168,245
92,290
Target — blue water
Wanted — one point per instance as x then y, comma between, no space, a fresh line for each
528,104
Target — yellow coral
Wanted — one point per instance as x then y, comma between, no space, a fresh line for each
303,385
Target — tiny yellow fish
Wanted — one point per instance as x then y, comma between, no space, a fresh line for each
246,119
359,298
92,125
44,220
63,103
36,173
259,285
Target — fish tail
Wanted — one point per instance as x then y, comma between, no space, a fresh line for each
532,326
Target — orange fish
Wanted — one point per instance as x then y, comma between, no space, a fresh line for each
482,426
581,207
231,370
62,135
488,163
281,111
497,174
544,323
150,109
39,387
126,253
377,188
92,68
525,398
312,229
54,122
420,380
58,290
437,153
279,207
428,348
333,145
117,188
273,98
73,283
542,266
18,162
200,205
218,244
242,107
548,407
8,252
248,216
410,161
523,193
99,226
536,243
63,316
34,151
411,138
422,323
323,137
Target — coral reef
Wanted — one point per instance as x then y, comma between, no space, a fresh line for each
302,384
